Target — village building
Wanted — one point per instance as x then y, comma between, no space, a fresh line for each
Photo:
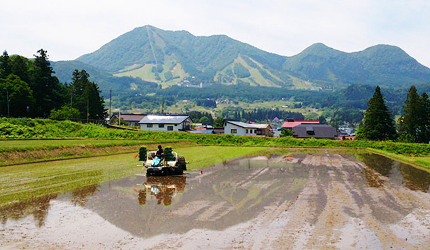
128,119
318,131
165,123
250,129
291,123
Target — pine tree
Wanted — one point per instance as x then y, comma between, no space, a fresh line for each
86,96
412,121
378,122
47,89
424,135
20,66
5,65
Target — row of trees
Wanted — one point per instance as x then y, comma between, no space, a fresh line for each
259,114
413,125
29,88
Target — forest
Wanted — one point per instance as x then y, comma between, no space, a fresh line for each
29,88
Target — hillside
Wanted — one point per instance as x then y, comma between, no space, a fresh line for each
64,70
378,65
169,57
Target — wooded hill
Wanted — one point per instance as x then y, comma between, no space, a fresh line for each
168,57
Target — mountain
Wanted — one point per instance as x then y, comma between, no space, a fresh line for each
378,65
64,69
169,57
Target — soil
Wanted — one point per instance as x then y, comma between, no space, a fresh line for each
319,201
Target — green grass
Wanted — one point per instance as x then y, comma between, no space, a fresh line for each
24,182
144,72
24,145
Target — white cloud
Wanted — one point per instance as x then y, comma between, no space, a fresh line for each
68,29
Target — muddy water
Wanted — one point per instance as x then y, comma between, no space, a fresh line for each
322,201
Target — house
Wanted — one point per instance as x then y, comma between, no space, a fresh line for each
129,119
252,129
318,131
165,123
277,121
290,123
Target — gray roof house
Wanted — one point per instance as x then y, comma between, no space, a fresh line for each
165,123
318,131
129,119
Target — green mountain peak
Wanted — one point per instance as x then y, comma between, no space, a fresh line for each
169,57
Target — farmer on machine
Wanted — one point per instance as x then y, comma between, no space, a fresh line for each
160,152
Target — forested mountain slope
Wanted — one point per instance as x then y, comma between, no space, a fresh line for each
169,57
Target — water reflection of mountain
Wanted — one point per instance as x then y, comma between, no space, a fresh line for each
223,196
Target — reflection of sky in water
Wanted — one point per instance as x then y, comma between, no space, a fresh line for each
227,194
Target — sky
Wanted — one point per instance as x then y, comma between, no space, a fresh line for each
69,29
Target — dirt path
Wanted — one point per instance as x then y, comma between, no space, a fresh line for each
301,202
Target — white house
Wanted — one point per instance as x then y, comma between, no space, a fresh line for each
251,129
165,123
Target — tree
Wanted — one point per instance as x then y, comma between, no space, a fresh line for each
286,132
322,119
86,96
47,89
20,66
65,112
219,122
425,119
16,97
378,123
204,120
5,65
412,123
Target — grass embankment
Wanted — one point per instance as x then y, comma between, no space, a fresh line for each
25,151
26,182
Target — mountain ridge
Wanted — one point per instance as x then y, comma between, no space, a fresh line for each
168,57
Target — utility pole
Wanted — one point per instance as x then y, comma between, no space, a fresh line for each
110,104
88,109
7,99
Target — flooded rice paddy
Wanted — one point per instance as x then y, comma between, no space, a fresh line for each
305,201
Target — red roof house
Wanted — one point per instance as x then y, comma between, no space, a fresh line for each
290,123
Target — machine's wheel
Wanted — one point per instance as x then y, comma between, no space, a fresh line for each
166,171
